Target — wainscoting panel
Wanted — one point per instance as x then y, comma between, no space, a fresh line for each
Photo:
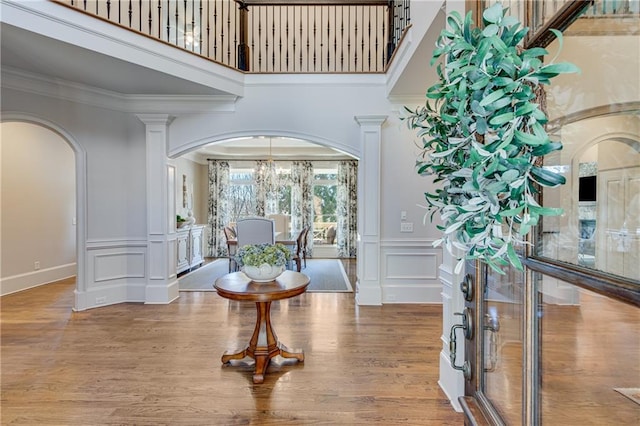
409,271
118,266
408,265
116,273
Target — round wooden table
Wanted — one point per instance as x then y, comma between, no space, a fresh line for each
264,344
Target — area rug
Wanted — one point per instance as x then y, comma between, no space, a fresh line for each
631,393
327,275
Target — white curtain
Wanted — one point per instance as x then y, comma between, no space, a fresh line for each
347,208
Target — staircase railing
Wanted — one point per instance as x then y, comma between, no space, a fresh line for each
268,36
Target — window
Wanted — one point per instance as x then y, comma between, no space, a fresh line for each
325,192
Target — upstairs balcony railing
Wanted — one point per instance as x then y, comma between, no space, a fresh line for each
268,36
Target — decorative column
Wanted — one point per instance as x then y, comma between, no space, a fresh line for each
162,283
368,287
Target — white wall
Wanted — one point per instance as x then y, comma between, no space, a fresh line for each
197,184
112,197
38,207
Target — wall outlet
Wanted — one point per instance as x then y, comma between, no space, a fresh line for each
403,215
36,265
73,220
101,300
406,227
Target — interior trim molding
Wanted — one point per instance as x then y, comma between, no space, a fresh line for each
37,84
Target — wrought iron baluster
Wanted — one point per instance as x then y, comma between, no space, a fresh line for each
355,41
193,26
368,39
200,28
349,38
287,41
315,41
273,38
308,55
184,24
176,23
229,34
150,21
215,34
279,38
377,42
260,40
328,40
222,35
241,20
160,19
342,39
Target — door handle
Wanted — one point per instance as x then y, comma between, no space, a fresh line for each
467,327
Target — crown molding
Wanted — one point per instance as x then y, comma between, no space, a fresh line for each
37,84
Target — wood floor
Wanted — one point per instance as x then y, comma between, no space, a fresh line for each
133,364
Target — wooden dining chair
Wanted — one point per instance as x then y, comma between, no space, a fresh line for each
304,245
298,254
230,235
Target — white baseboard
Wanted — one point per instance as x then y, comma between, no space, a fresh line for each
33,279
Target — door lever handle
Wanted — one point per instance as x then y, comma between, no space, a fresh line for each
467,327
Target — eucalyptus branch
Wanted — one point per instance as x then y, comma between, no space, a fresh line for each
482,135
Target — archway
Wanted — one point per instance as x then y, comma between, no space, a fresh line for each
68,203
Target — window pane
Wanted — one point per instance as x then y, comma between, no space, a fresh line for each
596,117
503,342
589,349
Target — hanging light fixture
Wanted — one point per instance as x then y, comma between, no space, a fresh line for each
271,174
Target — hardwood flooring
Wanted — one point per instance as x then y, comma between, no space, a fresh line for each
160,364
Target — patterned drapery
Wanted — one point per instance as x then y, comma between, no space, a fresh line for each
347,208
259,174
218,215
302,199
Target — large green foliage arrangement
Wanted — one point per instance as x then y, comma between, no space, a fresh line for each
483,135
259,254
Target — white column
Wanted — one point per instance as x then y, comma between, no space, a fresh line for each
162,284
368,287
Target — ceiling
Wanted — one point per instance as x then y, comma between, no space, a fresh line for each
37,54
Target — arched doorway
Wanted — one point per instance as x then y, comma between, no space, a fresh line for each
43,187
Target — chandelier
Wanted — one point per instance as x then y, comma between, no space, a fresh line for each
271,173
274,181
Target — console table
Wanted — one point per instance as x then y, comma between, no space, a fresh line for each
264,344
189,247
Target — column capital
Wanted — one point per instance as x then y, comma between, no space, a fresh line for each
157,119
370,120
